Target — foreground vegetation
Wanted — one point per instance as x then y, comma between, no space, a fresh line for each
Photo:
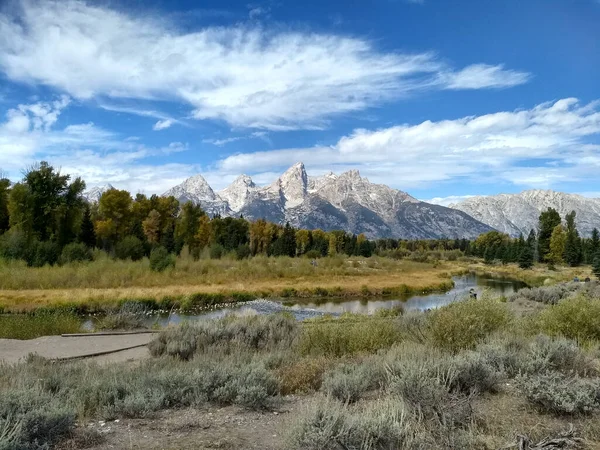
444,379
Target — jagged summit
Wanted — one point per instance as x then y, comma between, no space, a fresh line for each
94,194
519,213
346,201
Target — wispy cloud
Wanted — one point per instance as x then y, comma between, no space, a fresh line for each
162,125
539,147
244,75
479,76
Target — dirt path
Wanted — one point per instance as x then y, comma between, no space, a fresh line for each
198,429
104,348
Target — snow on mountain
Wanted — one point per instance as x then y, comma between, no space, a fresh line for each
238,192
94,194
197,190
519,213
331,202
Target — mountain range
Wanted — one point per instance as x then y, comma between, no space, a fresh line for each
519,213
352,203
331,202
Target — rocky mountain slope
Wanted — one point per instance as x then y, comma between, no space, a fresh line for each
519,213
94,194
330,202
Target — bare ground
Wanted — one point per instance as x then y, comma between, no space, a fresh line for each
210,427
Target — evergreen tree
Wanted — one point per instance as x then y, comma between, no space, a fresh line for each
595,242
532,243
526,258
288,240
548,220
87,234
573,251
4,217
596,265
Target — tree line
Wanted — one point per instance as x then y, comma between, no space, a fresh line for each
554,242
44,219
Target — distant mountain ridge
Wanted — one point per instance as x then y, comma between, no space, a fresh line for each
519,213
346,201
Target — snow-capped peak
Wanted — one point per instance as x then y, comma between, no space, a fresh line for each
292,186
237,193
93,195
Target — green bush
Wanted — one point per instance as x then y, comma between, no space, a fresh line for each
130,316
130,248
577,319
243,252
76,252
161,259
348,335
44,253
14,245
560,394
313,254
462,325
216,251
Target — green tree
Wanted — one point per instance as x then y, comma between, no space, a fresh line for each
151,226
557,245
87,234
4,190
595,242
187,227
548,220
526,258
573,249
596,265
115,206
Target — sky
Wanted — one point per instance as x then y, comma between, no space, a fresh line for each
440,99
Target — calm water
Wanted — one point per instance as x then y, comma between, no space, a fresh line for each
304,309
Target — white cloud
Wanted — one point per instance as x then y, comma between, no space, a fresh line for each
100,156
246,76
447,201
162,125
479,76
538,147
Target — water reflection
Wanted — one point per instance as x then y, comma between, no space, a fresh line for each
304,309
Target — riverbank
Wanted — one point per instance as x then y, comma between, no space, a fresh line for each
205,283
105,284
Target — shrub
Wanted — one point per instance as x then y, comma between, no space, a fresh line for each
313,254
14,245
130,248
216,251
328,424
577,318
256,332
161,259
76,252
130,316
474,374
305,375
546,354
243,251
560,394
463,324
348,335
549,295
44,253
349,382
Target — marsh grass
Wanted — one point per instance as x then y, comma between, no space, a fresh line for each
105,283
30,326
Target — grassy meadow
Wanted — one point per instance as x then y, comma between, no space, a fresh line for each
105,283
469,375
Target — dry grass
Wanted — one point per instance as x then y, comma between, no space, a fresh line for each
105,283
536,276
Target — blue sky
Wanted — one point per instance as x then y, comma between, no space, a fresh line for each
440,99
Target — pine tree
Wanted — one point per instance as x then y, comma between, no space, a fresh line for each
573,250
557,245
596,265
595,242
87,234
526,258
4,217
548,220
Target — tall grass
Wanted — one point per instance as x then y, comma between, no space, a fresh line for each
30,326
